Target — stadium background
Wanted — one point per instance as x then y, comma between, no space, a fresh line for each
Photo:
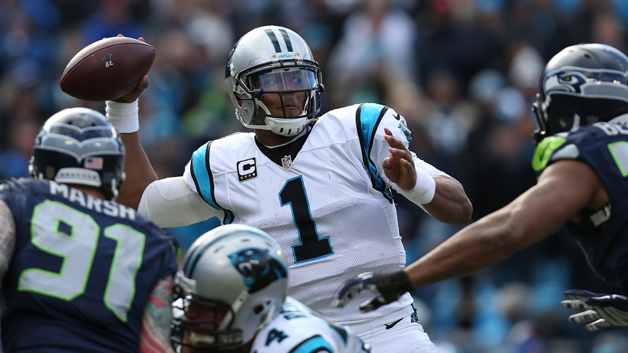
462,72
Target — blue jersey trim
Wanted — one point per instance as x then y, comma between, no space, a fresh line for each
368,117
203,179
312,345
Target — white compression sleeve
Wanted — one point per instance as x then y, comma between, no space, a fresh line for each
124,116
171,203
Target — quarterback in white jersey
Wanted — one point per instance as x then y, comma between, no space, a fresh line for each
320,186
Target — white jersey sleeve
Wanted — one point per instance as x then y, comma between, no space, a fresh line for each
171,202
298,330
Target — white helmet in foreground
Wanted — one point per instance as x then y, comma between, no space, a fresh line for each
234,281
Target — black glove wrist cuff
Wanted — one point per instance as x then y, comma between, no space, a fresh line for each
401,277
392,285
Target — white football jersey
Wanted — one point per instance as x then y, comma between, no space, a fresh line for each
298,330
321,197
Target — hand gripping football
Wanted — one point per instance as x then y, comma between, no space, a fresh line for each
107,69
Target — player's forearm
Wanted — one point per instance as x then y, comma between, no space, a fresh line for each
450,203
480,245
155,332
139,171
124,115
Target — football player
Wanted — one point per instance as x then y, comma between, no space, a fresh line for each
231,296
582,162
81,273
320,186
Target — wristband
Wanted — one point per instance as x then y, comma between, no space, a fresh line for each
123,116
423,191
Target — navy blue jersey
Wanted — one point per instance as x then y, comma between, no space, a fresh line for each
603,236
81,272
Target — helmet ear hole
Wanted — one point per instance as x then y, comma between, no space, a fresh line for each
258,309
563,121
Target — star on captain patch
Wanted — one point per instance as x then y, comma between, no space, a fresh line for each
286,162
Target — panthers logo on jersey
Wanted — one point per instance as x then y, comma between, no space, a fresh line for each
258,268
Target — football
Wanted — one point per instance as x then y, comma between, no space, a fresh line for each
107,69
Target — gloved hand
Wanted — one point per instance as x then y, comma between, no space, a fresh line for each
387,288
603,310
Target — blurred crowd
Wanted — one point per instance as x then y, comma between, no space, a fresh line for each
462,72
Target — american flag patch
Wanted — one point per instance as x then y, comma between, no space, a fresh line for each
93,163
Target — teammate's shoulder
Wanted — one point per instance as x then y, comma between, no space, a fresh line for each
292,305
364,115
575,144
586,137
233,142
235,138
21,184
355,111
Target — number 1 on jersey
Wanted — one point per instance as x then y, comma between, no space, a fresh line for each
310,246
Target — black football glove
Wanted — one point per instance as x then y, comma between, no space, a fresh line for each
603,310
387,287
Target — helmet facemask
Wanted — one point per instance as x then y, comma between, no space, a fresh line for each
211,326
289,79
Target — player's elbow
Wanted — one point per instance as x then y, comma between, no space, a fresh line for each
450,204
456,211
464,212
461,213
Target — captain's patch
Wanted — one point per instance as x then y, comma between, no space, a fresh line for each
247,169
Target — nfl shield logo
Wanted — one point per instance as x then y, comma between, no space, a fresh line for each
286,162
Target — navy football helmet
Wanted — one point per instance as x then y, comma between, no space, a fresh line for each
237,276
79,146
581,85
273,60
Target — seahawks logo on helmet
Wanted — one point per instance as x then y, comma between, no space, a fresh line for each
575,80
258,268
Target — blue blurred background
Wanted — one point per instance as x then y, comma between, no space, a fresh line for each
462,72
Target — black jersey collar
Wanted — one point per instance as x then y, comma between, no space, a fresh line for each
278,154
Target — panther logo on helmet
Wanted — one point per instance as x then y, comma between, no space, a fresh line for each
258,268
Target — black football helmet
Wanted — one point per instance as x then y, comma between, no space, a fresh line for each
79,146
581,85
